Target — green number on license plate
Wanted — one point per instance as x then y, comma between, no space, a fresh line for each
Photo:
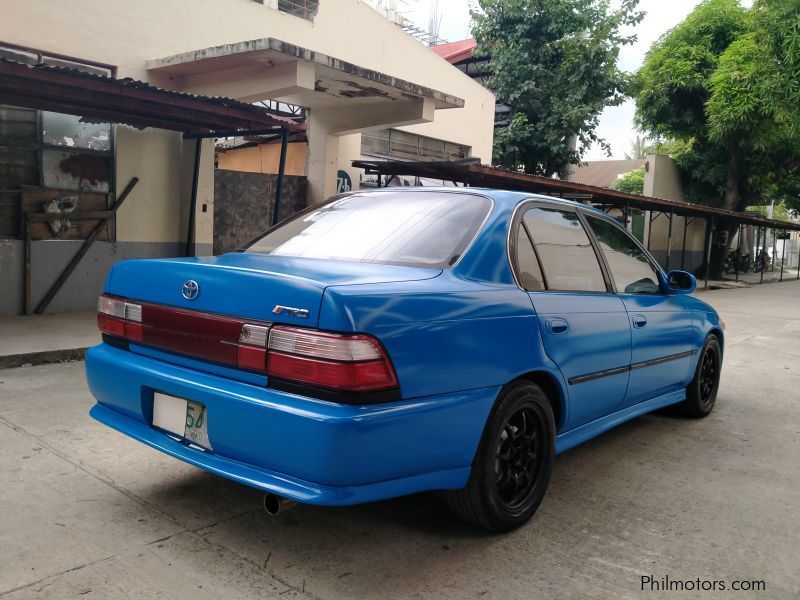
194,421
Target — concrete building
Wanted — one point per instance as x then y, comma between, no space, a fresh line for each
354,71
604,173
681,237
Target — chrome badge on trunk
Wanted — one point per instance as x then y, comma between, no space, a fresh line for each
301,313
190,289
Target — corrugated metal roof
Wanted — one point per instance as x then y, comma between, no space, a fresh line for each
493,177
129,101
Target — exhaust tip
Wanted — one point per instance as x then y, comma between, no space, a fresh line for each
273,504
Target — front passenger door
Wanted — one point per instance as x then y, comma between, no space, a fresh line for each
661,326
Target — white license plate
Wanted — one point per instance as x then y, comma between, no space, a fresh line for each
182,417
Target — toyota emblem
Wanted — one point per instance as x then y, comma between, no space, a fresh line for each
190,289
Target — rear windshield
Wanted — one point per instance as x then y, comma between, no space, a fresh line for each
418,229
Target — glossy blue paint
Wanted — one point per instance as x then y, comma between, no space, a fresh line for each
681,291
665,330
320,443
455,338
598,339
249,285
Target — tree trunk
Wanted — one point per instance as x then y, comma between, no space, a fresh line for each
732,201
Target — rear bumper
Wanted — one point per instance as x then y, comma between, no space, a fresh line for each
308,450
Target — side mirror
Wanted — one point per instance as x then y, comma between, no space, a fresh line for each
681,282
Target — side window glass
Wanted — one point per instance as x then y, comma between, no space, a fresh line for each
629,266
528,271
567,256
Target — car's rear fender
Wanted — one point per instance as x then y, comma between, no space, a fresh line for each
445,334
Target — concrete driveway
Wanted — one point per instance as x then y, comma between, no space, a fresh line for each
88,513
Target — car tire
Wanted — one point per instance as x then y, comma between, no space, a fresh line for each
513,463
701,393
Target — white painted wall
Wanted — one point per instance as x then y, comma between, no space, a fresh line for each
127,34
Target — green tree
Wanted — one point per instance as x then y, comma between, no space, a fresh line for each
631,182
722,86
640,148
554,62
780,212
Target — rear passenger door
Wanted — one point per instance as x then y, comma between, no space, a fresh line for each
661,325
584,327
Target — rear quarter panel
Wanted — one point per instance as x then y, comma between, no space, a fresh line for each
444,335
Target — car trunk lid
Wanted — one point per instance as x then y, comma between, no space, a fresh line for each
260,287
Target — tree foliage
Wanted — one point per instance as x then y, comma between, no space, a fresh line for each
780,212
631,182
724,88
554,62
640,148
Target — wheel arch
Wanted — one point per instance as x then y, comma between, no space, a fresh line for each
553,391
716,331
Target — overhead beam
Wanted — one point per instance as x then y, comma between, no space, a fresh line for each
344,120
254,83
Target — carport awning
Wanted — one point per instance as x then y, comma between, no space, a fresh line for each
473,174
131,102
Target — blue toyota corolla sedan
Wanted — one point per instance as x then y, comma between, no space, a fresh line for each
392,341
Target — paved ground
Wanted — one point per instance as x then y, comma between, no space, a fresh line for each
39,339
87,513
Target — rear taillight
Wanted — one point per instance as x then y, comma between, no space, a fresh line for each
335,362
251,353
342,362
119,318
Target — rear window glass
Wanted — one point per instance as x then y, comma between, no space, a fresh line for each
419,229
567,256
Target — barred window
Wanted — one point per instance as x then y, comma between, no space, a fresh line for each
305,9
401,145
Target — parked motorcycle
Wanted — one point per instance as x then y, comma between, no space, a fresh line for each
734,263
763,262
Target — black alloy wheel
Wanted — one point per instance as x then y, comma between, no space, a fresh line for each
708,379
701,393
513,463
518,459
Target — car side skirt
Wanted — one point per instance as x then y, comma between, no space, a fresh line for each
574,437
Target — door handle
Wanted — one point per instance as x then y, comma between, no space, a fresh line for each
639,321
558,326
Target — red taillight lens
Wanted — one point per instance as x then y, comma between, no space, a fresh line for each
119,318
252,348
355,363
337,362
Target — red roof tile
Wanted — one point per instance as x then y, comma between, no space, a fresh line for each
455,52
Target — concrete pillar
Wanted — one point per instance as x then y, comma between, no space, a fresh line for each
204,216
323,154
326,125
203,231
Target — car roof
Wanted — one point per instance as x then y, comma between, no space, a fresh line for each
502,197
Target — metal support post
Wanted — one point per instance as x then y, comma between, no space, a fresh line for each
683,247
669,240
281,172
707,250
783,253
756,253
738,252
190,241
774,248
